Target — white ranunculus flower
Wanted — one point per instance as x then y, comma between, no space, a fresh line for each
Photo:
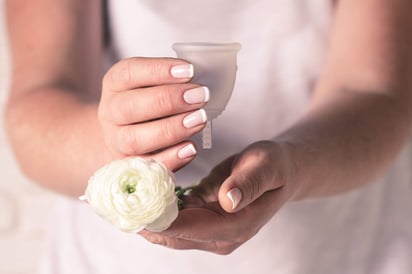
134,194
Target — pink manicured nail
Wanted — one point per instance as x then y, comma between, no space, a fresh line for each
196,118
182,71
187,151
235,196
196,95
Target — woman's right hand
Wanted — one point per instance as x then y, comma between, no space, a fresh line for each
149,108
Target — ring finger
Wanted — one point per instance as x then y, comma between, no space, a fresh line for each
150,136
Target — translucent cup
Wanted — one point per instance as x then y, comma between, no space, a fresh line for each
215,67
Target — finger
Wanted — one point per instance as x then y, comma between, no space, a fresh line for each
155,135
203,224
176,157
206,224
140,105
218,247
253,174
143,72
208,187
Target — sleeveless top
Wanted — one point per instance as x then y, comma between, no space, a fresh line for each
367,230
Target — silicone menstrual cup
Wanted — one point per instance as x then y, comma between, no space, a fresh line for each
215,67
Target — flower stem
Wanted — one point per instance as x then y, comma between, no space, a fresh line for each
180,192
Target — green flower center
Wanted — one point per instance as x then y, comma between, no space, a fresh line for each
129,180
130,188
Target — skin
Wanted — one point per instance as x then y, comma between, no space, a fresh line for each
359,117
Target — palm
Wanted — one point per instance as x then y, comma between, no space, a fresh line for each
204,224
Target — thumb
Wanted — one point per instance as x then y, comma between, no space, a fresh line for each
241,189
258,169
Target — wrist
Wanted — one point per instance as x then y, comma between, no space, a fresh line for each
278,167
290,170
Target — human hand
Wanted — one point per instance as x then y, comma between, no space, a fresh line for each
149,108
213,220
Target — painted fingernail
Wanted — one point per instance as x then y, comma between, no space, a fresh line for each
187,152
235,195
182,71
196,118
197,95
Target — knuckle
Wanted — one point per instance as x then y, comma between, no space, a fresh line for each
119,73
127,141
123,110
124,73
250,185
225,249
169,132
164,101
163,241
101,114
106,81
253,187
155,70
116,110
157,239
104,117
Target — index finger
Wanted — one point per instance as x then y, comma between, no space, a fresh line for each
202,224
140,72
213,223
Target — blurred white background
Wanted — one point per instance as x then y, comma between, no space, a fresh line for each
24,207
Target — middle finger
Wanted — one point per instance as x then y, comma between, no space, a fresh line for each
151,136
139,105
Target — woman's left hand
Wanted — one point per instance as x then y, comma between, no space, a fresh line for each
233,202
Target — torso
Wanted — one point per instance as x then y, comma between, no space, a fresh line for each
283,46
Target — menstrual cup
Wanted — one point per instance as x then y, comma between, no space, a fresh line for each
215,67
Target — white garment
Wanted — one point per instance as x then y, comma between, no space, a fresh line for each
368,230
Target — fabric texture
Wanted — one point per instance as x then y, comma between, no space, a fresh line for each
368,230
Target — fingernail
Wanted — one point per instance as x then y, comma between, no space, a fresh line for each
235,196
196,118
197,95
182,71
187,151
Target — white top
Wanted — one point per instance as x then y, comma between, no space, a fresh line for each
368,230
